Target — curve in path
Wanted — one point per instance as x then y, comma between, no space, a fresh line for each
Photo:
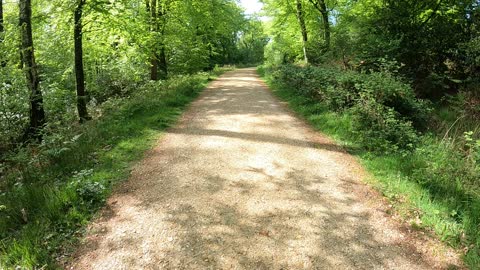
241,183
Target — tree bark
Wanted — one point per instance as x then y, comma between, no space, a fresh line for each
3,62
37,113
303,28
322,8
158,61
1,21
162,63
79,70
162,60
154,29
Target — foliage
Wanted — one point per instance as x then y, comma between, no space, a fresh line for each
117,43
252,43
381,128
400,80
432,180
50,189
436,42
384,108
48,192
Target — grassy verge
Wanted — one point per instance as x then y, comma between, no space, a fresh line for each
49,192
434,187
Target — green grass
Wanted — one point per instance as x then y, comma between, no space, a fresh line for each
434,188
51,191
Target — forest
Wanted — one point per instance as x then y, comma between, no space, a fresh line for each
87,85
397,82
84,86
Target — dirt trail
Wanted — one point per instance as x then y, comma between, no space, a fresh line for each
240,183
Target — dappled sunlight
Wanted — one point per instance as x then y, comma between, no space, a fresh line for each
240,183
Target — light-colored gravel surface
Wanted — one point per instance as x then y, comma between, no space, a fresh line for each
240,183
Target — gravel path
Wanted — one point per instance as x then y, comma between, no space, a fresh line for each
241,183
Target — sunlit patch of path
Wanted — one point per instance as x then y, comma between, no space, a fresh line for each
241,183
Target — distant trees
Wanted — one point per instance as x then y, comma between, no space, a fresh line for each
251,44
432,43
115,46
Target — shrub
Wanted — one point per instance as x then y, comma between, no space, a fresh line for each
90,192
49,191
385,109
381,128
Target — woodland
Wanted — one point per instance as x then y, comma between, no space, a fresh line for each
87,85
397,83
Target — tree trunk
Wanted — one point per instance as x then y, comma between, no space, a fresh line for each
326,24
3,62
154,28
322,8
79,70
301,21
37,113
162,63
158,62
162,60
1,21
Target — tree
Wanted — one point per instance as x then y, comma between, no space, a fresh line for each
79,70
1,21
158,23
3,62
37,113
322,8
303,28
251,44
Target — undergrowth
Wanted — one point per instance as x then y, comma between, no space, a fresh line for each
49,192
426,166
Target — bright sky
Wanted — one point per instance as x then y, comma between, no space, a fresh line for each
251,6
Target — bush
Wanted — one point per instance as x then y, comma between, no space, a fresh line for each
13,106
431,179
385,109
49,191
381,128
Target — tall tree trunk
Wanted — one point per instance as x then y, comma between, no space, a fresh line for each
158,62
154,29
162,60
162,63
3,62
37,113
1,17
79,70
326,24
301,21
322,8
1,21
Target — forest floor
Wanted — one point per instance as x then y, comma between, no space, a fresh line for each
242,183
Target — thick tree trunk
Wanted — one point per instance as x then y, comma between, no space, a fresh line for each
162,63
326,24
158,62
79,70
303,28
37,113
322,8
